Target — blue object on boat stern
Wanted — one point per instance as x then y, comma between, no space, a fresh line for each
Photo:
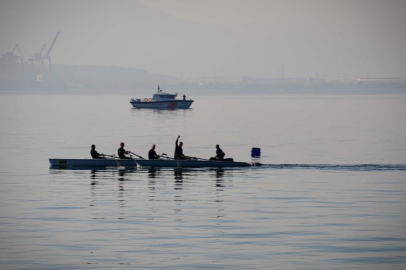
256,152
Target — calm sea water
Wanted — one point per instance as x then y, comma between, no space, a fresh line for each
334,196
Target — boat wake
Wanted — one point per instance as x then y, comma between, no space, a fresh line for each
349,167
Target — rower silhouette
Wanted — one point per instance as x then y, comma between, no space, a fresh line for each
178,150
152,154
95,154
122,153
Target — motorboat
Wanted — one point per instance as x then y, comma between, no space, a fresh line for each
162,100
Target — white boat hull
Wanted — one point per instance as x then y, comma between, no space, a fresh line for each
167,104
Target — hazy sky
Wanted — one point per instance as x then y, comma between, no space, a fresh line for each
222,37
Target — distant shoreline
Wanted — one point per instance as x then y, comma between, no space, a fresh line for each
210,92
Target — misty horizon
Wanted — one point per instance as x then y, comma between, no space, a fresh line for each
264,39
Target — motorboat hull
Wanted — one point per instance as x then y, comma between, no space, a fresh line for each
165,104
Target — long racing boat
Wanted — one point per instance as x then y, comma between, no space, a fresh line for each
93,163
90,163
191,163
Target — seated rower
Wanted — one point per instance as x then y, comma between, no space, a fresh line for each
121,152
219,154
152,154
178,150
95,154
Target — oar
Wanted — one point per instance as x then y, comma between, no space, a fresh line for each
136,155
166,157
196,158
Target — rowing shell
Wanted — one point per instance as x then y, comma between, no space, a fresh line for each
79,162
191,163
90,163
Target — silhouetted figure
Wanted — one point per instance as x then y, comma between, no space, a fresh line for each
152,154
122,153
184,97
95,154
178,150
219,154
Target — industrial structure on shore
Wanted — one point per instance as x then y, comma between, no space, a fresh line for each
36,72
18,71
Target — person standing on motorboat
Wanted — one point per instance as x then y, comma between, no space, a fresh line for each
178,150
219,154
184,97
152,154
95,154
122,153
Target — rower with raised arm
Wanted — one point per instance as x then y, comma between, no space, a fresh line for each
95,154
178,150
122,153
152,154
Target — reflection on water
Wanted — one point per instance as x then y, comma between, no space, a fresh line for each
152,172
93,177
121,173
219,184
246,213
181,174
220,173
178,173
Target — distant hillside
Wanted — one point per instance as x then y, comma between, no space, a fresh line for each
108,77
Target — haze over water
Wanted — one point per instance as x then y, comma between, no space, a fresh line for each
264,39
333,196
318,85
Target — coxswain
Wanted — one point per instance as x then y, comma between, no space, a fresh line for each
95,154
122,153
219,154
178,150
152,154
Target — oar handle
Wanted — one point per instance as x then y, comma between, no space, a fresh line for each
163,155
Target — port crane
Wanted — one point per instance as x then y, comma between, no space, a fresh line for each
40,57
15,66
